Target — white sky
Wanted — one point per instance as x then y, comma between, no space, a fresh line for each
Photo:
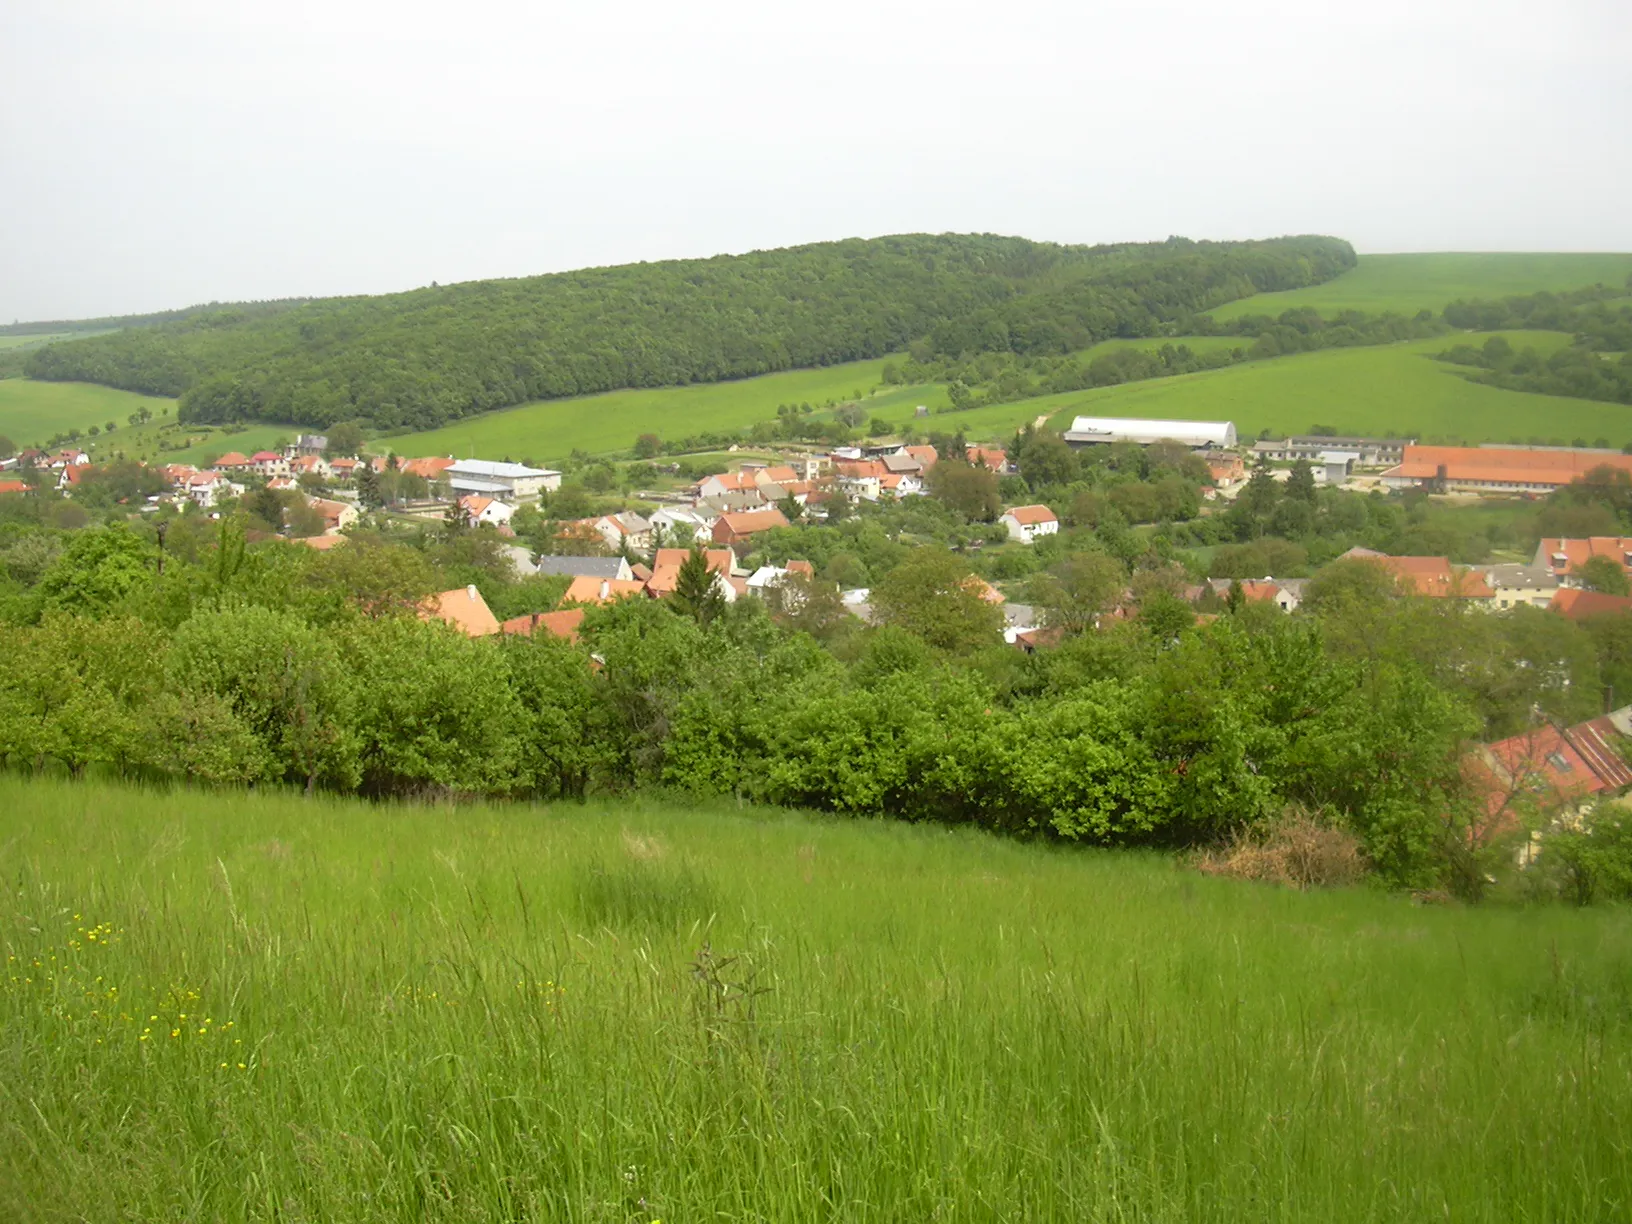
159,153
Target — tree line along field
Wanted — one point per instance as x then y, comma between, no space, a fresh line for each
1406,284
1394,390
32,411
252,1006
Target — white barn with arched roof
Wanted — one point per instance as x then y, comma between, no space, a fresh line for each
1099,431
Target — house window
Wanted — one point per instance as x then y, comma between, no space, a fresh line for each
1558,762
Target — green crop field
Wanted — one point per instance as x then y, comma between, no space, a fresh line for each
1409,283
1395,390
553,429
30,412
220,1006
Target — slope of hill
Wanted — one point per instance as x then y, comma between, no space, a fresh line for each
409,1012
31,412
433,356
1406,284
1397,390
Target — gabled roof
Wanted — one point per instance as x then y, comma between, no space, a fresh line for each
587,590
562,624
495,468
1578,605
13,486
901,462
321,543
232,459
734,482
1563,555
747,522
429,467
1505,465
927,456
780,474
582,567
1028,516
266,457
1431,576
720,560
464,609
992,457
346,463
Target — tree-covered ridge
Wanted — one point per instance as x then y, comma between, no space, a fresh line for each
430,356
1596,365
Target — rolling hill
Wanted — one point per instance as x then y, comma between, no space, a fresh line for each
1406,284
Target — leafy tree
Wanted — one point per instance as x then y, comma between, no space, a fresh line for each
648,445
8,448
933,595
345,440
370,494
1078,590
97,571
1604,574
968,489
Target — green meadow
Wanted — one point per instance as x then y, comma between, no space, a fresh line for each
30,412
227,1006
1406,284
553,429
1394,390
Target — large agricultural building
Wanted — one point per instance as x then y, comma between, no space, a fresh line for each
1496,469
1101,431
1368,452
511,482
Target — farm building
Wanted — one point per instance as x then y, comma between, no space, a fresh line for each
1101,431
1498,469
1371,452
509,482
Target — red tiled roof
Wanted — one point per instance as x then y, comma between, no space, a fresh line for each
748,522
562,624
232,459
1549,765
927,456
463,608
13,486
1504,466
1578,605
587,589
321,543
1031,515
1434,577
265,457
992,457
430,467
1577,552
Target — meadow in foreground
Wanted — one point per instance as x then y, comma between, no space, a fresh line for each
229,1006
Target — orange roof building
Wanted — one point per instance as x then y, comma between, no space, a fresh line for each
1494,469
430,468
666,568
731,529
464,609
13,486
232,461
1434,577
1577,604
588,589
563,624
1564,557
991,457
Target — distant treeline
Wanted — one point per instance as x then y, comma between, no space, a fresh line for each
52,327
421,359
1597,365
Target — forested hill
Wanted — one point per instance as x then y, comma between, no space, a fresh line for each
424,358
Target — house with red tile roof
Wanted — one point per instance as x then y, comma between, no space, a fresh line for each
464,609
479,510
666,571
431,467
745,484
337,515
233,462
1549,772
1563,558
1579,604
1434,577
563,624
322,543
590,590
14,486
1027,523
738,530
269,463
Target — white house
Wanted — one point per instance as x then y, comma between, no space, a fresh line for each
1100,431
624,528
205,489
1026,523
509,482
479,510
699,520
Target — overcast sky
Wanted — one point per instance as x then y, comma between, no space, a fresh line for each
165,152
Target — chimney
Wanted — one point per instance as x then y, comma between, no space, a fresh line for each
606,588
471,591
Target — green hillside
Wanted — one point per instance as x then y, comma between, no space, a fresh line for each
430,357
31,412
1406,284
249,1006
1394,390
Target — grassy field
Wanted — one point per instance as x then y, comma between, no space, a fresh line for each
30,412
1409,283
259,1008
1397,390
553,429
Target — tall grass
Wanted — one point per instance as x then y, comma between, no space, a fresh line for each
254,1007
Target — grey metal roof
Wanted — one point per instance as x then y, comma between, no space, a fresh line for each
494,468
582,567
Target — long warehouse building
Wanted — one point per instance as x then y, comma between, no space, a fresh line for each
1494,469
1102,431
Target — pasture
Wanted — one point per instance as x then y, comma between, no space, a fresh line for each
256,1007
1406,284
553,429
1394,390
30,412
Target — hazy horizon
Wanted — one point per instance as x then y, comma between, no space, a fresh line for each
181,153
